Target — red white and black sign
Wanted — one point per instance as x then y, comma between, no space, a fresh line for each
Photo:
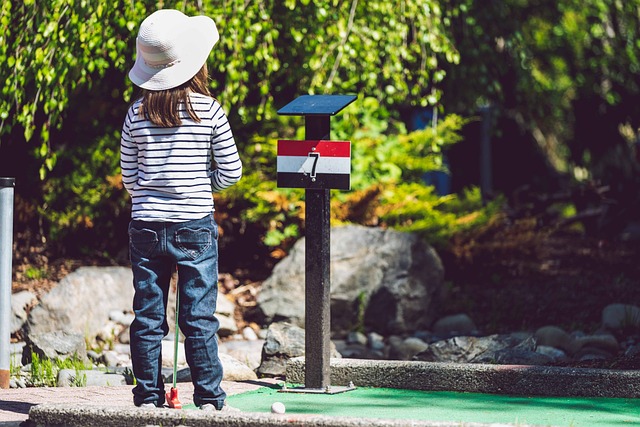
314,164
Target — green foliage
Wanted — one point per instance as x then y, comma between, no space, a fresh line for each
15,367
388,165
51,49
47,51
53,54
567,71
328,46
35,273
414,207
90,196
44,371
276,237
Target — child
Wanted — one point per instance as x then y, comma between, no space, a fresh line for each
170,138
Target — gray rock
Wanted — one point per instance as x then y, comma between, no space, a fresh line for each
343,347
455,325
94,357
474,349
556,337
73,378
632,350
357,351
247,352
225,310
517,356
395,275
224,306
15,352
111,358
249,334
375,341
555,354
124,337
17,383
55,345
522,353
109,333
357,338
427,336
82,301
168,350
228,326
233,370
605,342
592,353
620,316
284,341
405,349
20,301
183,375
121,317
124,349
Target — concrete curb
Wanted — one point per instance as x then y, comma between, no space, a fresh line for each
87,416
517,380
497,379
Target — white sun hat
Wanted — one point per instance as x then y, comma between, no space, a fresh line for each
171,47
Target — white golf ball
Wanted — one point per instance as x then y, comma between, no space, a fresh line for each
278,408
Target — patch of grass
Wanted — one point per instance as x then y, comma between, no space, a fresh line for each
14,367
44,371
35,273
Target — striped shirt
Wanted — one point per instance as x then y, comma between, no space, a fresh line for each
167,171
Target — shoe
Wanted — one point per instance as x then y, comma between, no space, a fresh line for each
148,405
209,407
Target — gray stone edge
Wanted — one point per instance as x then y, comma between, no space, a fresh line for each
518,380
59,415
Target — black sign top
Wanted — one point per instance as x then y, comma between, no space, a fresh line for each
316,105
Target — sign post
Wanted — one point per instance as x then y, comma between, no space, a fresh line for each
318,172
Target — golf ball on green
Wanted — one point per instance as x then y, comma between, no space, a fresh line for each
278,408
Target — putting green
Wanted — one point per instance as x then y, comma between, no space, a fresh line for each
365,402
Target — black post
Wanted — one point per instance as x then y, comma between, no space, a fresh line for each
317,272
317,110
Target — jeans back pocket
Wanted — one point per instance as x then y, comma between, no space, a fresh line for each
193,242
143,241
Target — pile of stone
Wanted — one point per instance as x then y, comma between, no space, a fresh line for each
384,286
93,307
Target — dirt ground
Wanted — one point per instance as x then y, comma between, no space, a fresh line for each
520,276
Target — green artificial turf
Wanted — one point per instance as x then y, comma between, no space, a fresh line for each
365,402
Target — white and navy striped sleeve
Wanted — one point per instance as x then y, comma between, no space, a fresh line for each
225,152
128,153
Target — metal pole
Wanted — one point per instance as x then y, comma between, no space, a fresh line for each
6,246
317,272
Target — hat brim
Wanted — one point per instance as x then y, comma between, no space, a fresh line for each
202,36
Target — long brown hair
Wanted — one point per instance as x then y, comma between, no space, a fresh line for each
161,106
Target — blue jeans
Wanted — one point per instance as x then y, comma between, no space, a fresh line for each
155,249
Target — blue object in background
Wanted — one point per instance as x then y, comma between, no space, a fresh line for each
421,118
